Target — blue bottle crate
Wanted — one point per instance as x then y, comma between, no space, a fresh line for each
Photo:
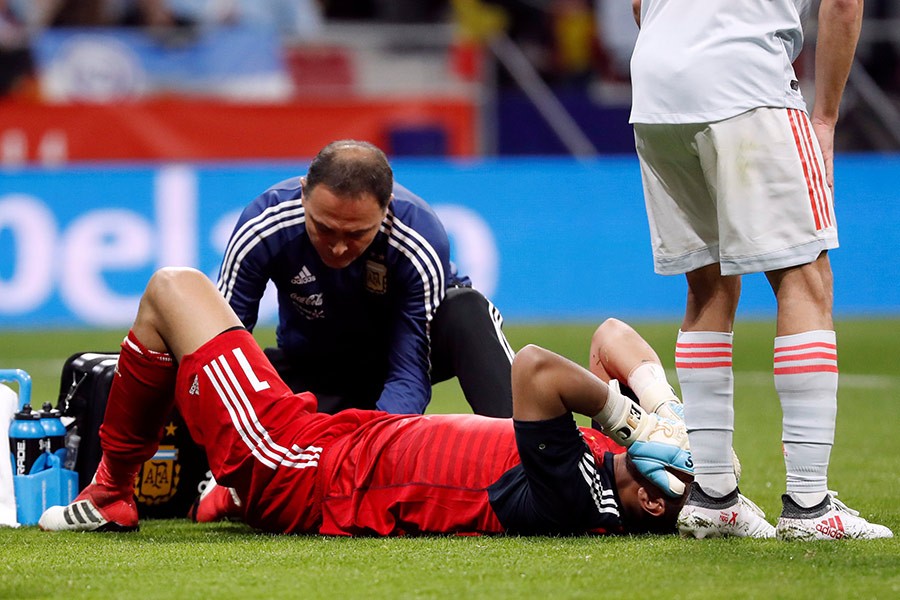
48,483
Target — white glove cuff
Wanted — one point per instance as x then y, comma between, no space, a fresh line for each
656,395
620,418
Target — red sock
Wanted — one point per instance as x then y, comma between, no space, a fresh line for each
140,400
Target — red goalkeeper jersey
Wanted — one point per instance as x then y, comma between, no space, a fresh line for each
368,472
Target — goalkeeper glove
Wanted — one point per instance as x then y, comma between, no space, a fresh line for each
624,421
655,444
659,397
662,450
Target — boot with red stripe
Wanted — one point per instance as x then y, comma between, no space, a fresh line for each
216,503
831,519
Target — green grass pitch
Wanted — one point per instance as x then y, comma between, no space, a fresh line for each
177,559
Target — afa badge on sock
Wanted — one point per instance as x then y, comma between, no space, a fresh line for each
157,481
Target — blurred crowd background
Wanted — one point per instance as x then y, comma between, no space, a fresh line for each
540,77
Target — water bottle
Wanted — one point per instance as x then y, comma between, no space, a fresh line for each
54,431
26,435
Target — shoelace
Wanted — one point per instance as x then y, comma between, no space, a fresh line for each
840,505
752,505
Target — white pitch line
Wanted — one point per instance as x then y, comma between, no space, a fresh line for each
846,380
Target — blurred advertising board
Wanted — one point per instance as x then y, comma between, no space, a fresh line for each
201,130
546,239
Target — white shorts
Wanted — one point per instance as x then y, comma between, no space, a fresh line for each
747,192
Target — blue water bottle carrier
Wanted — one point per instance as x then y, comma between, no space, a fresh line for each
39,479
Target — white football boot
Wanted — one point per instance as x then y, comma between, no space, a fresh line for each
733,515
829,520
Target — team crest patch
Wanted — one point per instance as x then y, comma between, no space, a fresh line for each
157,481
376,277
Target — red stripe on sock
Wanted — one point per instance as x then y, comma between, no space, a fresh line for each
806,369
701,365
807,356
826,345
703,354
703,345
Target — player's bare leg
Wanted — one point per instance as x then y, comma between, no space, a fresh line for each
703,364
703,361
806,378
179,311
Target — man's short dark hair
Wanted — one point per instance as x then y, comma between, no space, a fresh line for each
665,523
351,169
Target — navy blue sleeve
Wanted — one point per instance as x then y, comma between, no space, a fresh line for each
261,231
560,487
420,249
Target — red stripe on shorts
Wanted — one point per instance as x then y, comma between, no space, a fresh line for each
800,151
818,176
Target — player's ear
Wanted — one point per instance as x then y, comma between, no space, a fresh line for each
652,504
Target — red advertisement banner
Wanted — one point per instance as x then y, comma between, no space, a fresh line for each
178,129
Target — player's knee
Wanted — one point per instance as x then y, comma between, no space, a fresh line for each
707,284
461,301
530,361
167,281
462,318
608,332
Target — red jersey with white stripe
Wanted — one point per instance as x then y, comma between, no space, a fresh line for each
355,472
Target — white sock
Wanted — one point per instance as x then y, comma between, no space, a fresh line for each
649,383
806,379
703,364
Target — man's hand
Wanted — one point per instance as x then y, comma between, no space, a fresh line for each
626,422
661,430
661,448
825,135
655,444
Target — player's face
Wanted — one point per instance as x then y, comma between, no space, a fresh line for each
340,229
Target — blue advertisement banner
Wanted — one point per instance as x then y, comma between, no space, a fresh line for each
545,239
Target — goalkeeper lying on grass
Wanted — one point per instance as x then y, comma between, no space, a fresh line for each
372,473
